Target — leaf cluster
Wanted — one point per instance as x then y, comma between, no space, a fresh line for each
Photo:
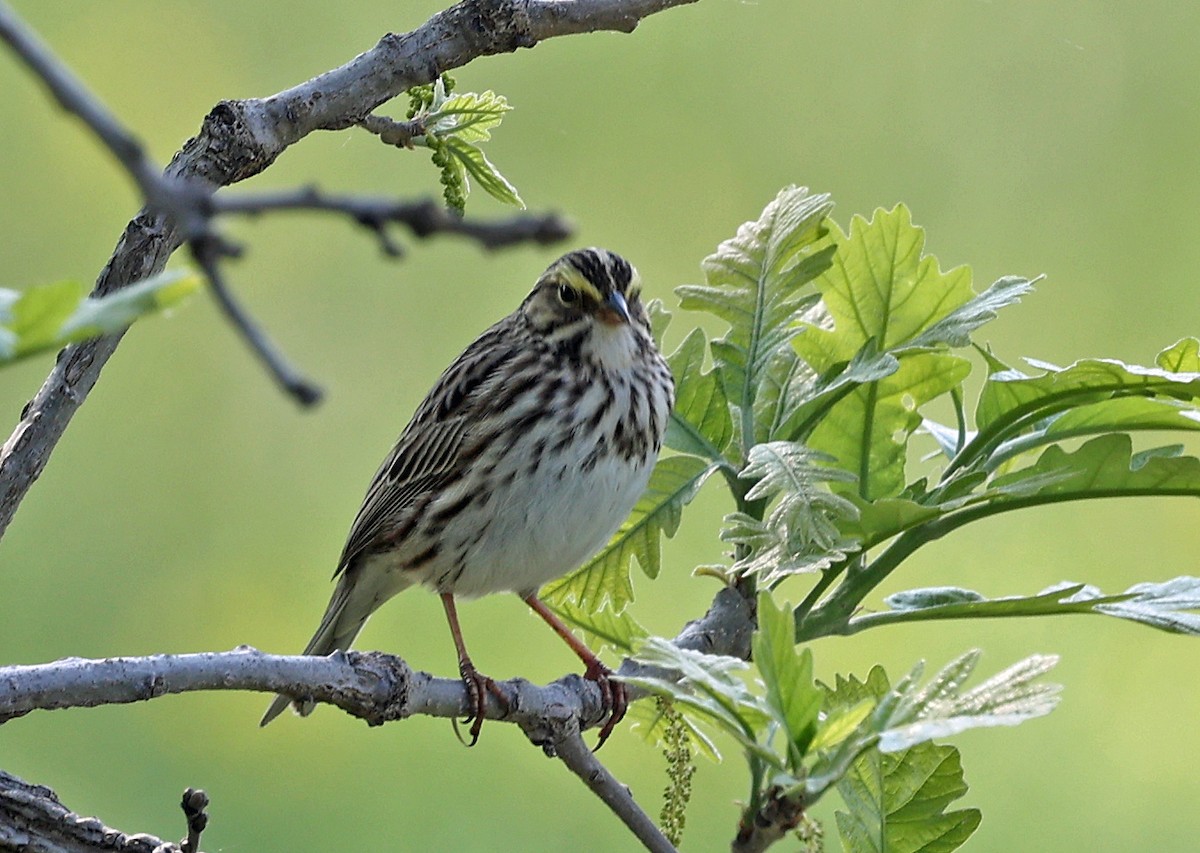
801,738
453,126
845,361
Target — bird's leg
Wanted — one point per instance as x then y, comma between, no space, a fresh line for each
475,682
612,693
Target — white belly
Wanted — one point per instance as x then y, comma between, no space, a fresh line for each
548,525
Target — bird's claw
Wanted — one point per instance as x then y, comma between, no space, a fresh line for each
612,699
476,684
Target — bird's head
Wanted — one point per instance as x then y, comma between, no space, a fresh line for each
589,302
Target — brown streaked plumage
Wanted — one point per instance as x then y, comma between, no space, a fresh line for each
519,465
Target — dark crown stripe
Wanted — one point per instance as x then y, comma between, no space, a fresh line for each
593,268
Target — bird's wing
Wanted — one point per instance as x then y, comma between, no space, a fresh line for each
428,451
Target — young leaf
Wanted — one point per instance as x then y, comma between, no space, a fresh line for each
940,710
476,164
948,439
803,403
897,802
803,530
651,723
754,282
454,125
956,327
1181,357
840,723
868,431
118,309
470,116
39,314
788,677
602,627
709,685
1159,605
1124,414
1100,468
605,578
882,519
700,423
882,288
1012,401
48,317
660,319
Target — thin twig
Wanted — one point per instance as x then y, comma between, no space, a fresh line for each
70,94
391,132
574,753
423,218
194,802
207,255
239,139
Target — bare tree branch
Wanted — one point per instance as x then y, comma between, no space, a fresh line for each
423,219
373,686
33,819
239,139
377,688
207,253
584,764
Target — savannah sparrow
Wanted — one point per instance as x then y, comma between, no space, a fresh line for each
518,466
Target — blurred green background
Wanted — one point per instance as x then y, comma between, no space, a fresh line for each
191,507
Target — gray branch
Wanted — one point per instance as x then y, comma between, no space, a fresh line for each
33,820
239,139
374,687
423,219
583,763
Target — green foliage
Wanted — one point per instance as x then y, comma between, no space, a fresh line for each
811,405
897,802
701,423
1160,605
604,580
754,282
802,531
50,316
873,741
453,126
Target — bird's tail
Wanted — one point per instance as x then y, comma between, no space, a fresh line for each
344,618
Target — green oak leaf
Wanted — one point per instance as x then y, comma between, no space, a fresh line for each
604,580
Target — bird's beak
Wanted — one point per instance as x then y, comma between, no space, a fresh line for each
614,311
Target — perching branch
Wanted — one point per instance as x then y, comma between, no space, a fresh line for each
239,139
377,688
373,686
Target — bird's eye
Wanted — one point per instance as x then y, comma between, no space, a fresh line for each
567,295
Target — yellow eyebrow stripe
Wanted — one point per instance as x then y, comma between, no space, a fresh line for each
579,281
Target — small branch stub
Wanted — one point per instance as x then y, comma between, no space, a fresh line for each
195,801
